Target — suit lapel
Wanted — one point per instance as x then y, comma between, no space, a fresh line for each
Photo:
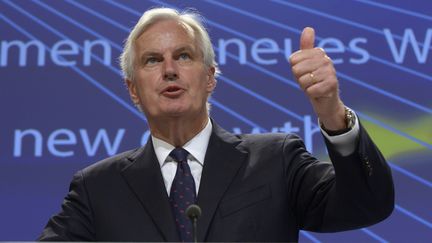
145,179
222,162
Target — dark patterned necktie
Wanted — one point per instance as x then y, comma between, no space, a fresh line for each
182,194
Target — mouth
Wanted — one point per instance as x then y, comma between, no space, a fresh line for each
172,91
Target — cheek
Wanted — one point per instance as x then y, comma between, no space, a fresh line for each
201,90
203,84
147,84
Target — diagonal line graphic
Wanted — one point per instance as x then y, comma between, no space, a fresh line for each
94,13
236,114
373,235
278,77
400,207
392,129
297,31
310,236
396,9
410,174
263,99
338,19
22,11
385,93
81,73
414,216
73,22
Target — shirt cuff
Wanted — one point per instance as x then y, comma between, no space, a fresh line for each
345,143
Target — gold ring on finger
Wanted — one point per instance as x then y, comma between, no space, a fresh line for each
312,77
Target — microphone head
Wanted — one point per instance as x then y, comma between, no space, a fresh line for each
193,211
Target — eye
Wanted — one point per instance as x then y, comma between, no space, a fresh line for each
151,60
184,56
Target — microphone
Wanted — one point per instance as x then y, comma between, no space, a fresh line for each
194,212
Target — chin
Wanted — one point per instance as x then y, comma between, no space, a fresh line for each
176,110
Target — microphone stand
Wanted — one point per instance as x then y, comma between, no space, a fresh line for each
194,212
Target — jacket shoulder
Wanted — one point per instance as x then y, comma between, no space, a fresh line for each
268,137
114,163
269,140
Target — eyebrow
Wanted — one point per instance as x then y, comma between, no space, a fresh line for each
176,51
150,53
142,58
185,48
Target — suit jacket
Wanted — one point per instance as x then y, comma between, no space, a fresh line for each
263,187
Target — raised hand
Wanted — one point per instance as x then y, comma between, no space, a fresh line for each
316,75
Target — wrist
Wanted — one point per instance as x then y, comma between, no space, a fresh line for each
333,120
340,125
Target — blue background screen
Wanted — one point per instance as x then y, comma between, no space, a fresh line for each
64,104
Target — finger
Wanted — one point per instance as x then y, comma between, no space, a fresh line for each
291,57
322,89
307,80
319,90
308,65
307,38
299,56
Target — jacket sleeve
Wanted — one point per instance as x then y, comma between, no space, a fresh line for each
74,222
352,191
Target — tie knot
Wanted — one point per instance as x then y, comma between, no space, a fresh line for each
179,154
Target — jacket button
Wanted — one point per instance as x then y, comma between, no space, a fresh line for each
368,166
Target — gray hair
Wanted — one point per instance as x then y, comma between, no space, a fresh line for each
189,18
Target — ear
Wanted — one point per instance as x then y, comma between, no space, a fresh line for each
132,91
211,80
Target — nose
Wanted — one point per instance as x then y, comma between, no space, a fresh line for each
170,70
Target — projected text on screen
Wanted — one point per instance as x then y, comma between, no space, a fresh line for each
62,53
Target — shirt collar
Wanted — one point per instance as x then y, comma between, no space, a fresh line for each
196,147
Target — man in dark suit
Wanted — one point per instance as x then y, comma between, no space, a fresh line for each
250,187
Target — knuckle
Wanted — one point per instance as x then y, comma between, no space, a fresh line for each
328,61
294,57
291,60
301,81
321,50
295,69
303,87
333,84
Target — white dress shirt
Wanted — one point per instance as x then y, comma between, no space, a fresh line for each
197,147
345,143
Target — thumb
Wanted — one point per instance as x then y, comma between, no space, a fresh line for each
307,38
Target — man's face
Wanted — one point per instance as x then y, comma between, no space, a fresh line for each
171,79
